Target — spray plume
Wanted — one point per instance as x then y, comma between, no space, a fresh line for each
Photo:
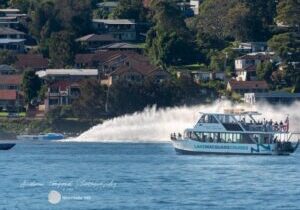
155,125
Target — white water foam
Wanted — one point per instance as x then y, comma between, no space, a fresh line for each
156,125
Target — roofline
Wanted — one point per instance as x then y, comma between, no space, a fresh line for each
233,114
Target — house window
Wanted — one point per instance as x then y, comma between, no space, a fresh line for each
54,90
53,102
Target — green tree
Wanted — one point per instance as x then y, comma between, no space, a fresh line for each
51,16
74,16
3,3
7,57
288,13
240,19
264,71
43,20
292,75
237,22
22,5
92,100
211,19
100,13
286,45
31,85
62,48
217,63
130,9
169,40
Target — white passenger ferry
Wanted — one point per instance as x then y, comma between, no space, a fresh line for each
236,132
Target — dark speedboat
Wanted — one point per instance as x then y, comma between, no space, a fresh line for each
6,146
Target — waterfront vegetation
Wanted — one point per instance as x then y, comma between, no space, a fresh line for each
10,127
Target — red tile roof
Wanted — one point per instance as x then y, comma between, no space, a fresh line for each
242,85
97,38
100,56
15,79
147,3
138,63
8,95
31,61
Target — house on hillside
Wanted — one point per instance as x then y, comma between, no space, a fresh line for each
97,60
10,18
202,76
11,12
135,69
9,22
108,61
10,82
11,100
7,70
251,47
245,66
93,41
11,96
11,39
63,85
122,29
108,6
242,87
35,62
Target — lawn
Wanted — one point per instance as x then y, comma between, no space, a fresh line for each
191,67
5,114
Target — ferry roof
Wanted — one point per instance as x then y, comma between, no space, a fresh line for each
233,113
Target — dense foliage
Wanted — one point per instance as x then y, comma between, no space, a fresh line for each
31,85
127,98
172,40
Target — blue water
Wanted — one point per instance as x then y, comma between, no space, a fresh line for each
143,176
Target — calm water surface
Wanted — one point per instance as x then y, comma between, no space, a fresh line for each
143,176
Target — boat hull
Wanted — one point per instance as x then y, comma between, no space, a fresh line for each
6,146
191,147
47,137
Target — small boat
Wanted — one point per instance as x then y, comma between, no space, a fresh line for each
45,137
6,146
236,132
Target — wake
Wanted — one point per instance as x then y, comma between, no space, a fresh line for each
156,125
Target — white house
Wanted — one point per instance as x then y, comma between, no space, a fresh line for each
245,66
63,85
108,6
252,47
195,5
11,39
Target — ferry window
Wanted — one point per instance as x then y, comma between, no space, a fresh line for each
208,119
238,138
210,137
199,136
215,137
229,137
222,137
194,136
185,134
205,137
